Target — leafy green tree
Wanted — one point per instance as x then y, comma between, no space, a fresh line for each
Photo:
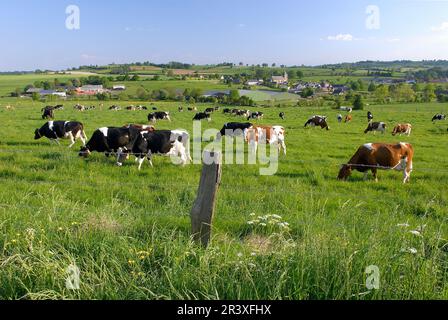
307,92
429,93
372,87
299,74
381,93
234,95
358,103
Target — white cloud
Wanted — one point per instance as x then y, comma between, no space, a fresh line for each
128,29
341,37
442,27
242,25
86,56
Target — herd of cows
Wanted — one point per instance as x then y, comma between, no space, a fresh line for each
144,141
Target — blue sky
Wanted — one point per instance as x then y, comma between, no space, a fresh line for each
33,33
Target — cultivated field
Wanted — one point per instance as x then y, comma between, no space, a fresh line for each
129,231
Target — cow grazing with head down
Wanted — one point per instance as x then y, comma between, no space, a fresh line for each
255,115
202,116
232,129
348,118
273,135
318,121
438,117
369,116
160,115
55,130
376,126
374,156
165,142
402,129
110,139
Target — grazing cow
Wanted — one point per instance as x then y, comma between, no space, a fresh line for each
217,108
282,115
348,118
438,117
141,108
79,107
202,116
318,121
402,128
376,126
110,139
340,118
55,130
192,109
226,110
48,113
9,108
374,156
115,108
209,110
243,113
369,116
180,109
234,129
255,115
131,108
273,135
162,115
348,109
158,142
154,109
59,107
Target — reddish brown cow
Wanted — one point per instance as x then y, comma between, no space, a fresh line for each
402,128
348,118
374,156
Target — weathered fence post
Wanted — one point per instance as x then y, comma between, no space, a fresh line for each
204,206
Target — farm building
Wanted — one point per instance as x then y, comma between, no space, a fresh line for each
90,90
280,79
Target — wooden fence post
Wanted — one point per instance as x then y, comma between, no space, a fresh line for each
204,206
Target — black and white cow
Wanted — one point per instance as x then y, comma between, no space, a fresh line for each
110,139
282,115
369,116
202,116
234,129
165,142
115,108
438,117
209,110
55,130
255,115
162,115
48,113
226,110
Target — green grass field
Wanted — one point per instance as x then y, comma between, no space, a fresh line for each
129,231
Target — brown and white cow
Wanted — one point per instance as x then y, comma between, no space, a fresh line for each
376,126
348,118
374,156
273,135
402,129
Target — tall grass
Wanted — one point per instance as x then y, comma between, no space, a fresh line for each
128,232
